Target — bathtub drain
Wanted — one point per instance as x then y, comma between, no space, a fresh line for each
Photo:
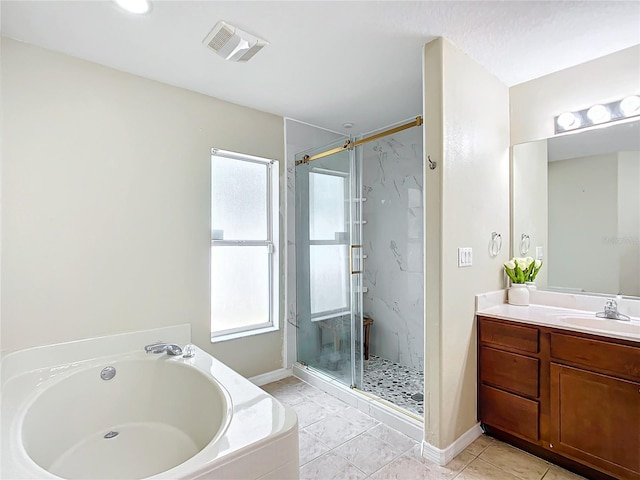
108,373
111,434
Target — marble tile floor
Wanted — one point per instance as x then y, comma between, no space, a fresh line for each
394,383
338,442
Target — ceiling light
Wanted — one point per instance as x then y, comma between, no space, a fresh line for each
598,114
568,120
347,125
630,105
134,6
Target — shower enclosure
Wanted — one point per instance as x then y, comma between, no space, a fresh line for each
349,267
329,262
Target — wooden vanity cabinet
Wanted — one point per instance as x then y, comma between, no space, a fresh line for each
509,378
573,395
595,402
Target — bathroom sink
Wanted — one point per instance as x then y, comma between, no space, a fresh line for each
606,324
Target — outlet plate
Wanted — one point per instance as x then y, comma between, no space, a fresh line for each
465,256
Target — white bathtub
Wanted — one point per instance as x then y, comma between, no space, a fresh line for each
158,417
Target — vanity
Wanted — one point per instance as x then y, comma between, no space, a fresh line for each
555,382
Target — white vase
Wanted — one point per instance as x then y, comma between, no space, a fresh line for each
531,286
518,294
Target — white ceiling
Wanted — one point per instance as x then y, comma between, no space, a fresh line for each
328,62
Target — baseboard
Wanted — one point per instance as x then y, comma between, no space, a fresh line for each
269,377
444,456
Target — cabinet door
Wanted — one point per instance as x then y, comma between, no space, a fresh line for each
596,419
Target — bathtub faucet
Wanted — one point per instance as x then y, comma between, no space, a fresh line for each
171,349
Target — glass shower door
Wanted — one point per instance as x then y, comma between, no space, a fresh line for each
328,264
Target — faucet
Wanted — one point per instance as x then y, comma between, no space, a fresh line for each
611,311
171,349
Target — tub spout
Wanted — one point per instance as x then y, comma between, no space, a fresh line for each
171,349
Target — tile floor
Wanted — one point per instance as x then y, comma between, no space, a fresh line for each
395,383
338,442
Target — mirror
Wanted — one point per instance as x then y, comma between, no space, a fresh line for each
576,205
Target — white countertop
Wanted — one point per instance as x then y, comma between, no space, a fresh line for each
552,316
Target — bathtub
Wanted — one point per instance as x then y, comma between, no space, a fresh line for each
157,417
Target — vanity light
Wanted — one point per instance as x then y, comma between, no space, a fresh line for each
134,6
630,105
568,120
598,114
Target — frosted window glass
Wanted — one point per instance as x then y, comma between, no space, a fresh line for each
329,278
326,206
238,199
239,286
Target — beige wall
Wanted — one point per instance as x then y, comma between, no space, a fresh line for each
467,134
583,212
629,222
105,198
534,104
529,201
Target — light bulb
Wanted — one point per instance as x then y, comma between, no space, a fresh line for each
568,120
599,114
134,6
630,105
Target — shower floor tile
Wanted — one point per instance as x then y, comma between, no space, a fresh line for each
394,383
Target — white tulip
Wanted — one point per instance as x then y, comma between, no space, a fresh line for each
511,265
538,263
521,262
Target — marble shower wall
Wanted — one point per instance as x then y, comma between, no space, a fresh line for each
393,242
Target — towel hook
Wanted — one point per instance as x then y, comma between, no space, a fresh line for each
496,244
525,243
432,164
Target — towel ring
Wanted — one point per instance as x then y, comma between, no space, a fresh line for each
496,244
525,244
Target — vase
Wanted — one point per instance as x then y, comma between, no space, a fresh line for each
518,294
531,286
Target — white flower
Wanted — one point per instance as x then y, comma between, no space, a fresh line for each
538,263
511,265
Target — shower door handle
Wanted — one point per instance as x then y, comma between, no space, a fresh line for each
351,249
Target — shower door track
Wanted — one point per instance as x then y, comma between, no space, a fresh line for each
348,145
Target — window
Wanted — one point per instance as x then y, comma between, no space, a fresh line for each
244,241
328,243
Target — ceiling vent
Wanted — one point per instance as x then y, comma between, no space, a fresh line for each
233,44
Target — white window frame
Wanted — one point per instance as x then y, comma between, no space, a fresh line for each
272,243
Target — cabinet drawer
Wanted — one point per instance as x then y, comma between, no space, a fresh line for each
509,412
510,371
507,335
618,360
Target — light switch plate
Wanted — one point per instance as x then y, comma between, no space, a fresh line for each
539,253
465,257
